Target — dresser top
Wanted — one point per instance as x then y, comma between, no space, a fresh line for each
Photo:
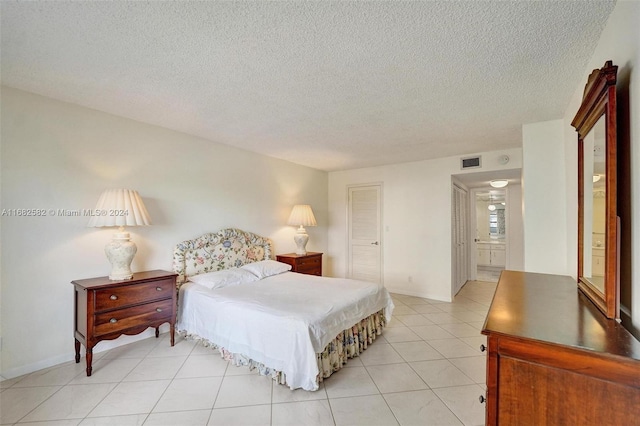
550,308
137,278
309,253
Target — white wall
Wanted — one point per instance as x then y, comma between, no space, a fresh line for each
416,220
620,42
61,156
515,228
544,192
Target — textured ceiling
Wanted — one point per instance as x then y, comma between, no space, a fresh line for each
330,85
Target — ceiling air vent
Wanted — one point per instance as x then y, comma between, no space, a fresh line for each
471,162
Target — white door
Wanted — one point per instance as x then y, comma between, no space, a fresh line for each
364,242
459,252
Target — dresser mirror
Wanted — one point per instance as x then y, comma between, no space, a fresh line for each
594,207
598,223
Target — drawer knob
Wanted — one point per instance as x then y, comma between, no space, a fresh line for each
482,399
113,320
483,348
158,288
113,297
158,309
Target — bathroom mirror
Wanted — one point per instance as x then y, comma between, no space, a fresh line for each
598,223
490,215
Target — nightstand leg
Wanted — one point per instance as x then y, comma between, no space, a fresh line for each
157,332
172,332
89,360
77,351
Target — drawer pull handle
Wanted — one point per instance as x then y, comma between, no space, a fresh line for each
483,348
158,309
158,288
113,320
482,399
113,297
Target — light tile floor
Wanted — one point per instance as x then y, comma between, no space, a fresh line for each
427,369
488,273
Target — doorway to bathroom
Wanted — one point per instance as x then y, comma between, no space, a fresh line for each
495,237
490,233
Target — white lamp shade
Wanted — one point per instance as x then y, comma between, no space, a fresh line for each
302,215
120,207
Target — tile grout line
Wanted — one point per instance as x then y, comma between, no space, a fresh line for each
170,382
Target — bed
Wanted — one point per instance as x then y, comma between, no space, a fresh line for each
299,329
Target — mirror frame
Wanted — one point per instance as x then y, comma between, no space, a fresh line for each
600,99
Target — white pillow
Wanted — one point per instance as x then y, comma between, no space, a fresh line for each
223,278
266,268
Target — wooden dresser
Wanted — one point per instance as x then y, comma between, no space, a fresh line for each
106,309
310,263
554,359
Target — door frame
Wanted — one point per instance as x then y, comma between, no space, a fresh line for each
454,265
471,231
380,185
473,259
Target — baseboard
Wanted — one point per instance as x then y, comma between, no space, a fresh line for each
103,346
416,294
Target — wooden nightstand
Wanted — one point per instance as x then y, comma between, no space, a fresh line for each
105,309
310,263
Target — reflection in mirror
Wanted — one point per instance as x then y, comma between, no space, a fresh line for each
594,205
490,215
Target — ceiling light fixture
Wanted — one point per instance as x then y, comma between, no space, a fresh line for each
499,183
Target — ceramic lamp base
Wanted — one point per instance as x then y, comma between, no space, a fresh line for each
120,252
301,238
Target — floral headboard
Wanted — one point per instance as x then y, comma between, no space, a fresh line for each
224,249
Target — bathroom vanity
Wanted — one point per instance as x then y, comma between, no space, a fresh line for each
491,253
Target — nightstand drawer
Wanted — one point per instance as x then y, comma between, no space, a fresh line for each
123,319
310,270
127,295
309,263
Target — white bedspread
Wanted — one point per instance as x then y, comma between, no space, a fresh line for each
280,321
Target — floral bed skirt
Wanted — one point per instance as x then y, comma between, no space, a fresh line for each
350,343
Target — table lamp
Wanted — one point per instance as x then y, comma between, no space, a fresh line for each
302,216
120,207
